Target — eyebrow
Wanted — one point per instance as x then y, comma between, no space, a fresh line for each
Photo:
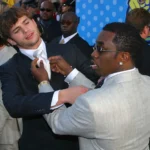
18,26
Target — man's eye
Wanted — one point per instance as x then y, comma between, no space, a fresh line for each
16,31
27,22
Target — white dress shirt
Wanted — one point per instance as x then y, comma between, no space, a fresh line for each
40,53
68,38
30,52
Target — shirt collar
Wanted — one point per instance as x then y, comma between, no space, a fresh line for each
116,73
68,38
29,52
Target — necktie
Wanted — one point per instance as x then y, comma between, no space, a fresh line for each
40,54
100,83
62,41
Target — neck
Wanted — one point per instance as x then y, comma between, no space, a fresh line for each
125,67
1,47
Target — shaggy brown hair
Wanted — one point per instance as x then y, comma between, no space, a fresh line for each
8,18
139,18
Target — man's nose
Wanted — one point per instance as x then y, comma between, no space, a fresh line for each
25,29
95,54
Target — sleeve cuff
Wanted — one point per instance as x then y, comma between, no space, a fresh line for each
71,75
45,87
55,100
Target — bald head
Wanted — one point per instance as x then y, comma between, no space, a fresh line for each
69,23
48,4
46,10
71,16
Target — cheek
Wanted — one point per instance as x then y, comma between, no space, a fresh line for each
103,60
106,63
18,37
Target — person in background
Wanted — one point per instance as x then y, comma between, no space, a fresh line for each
69,5
56,4
31,6
50,28
69,24
140,19
10,128
65,6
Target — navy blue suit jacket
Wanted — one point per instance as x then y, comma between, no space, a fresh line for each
21,98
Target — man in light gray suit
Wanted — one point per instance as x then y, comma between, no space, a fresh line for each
9,132
115,116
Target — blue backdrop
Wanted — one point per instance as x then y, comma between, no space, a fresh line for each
94,14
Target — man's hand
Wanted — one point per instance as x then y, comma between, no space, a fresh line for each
59,65
39,72
70,95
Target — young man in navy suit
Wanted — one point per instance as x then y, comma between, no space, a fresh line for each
20,88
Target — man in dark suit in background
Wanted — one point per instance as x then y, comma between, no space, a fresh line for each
69,23
140,19
50,28
20,89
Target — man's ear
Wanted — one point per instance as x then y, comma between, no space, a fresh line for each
124,57
144,34
11,42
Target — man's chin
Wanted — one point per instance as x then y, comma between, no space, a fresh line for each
97,71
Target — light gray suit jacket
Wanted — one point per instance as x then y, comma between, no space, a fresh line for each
9,133
113,117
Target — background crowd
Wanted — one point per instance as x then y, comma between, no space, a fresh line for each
53,96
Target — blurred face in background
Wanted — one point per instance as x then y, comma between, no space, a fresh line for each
65,8
32,9
46,10
69,23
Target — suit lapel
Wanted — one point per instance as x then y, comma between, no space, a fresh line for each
24,65
72,40
23,61
24,74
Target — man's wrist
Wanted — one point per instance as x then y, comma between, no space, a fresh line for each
71,75
43,82
68,71
61,97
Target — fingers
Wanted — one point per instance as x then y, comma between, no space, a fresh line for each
41,64
54,68
84,89
55,59
34,63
